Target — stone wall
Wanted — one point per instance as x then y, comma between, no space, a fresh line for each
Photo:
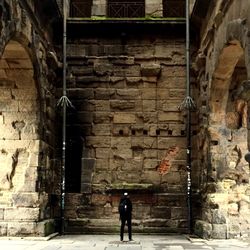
126,132
223,72
29,170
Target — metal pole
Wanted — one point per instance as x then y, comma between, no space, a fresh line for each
64,104
189,183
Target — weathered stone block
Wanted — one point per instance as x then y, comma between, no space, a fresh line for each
120,142
155,222
102,164
150,70
101,129
118,81
179,213
172,82
24,94
82,71
128,71
137,142
219,231
86,188
168,105
149,105
132,164
161,212
21,229
147,117
177,93
100,105
170,116
150,164
134,81
102,117
78,93
141,211
102,177
10,105
177,71
104,94
218,217
122,105
143,51
5,94
149,142
124,153
169,142
128,94
99,199
7,132
20,214
7,83
3,64
151,177
123,176
1,214
124,118
88,164
25,199
149,94
203,229
150,153
102,69
162,94
3,228
116,163
103,153
98,141
121,130
171,177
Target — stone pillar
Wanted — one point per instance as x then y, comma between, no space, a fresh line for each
153,8
99,8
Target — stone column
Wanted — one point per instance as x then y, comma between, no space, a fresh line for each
153,8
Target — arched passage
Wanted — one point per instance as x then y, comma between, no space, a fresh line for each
228,60
226,204
19,141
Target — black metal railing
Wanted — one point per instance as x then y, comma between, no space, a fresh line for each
173,8
80,8
119,9
128,8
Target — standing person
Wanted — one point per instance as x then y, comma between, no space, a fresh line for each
125,210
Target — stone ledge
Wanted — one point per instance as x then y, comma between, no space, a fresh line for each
31,238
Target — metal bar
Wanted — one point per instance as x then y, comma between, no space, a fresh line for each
189,181
64,118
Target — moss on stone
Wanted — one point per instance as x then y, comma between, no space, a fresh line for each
131,186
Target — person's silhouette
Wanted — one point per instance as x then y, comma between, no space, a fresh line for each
125,210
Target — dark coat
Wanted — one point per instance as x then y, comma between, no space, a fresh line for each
128,211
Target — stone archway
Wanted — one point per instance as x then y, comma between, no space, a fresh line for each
228,60
19,144
225,209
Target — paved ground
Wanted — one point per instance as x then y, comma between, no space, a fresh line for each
110,242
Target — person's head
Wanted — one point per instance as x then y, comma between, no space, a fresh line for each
125,194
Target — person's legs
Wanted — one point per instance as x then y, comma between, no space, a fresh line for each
122,228
129,228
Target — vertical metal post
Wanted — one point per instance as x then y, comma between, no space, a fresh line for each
64,104
188,128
